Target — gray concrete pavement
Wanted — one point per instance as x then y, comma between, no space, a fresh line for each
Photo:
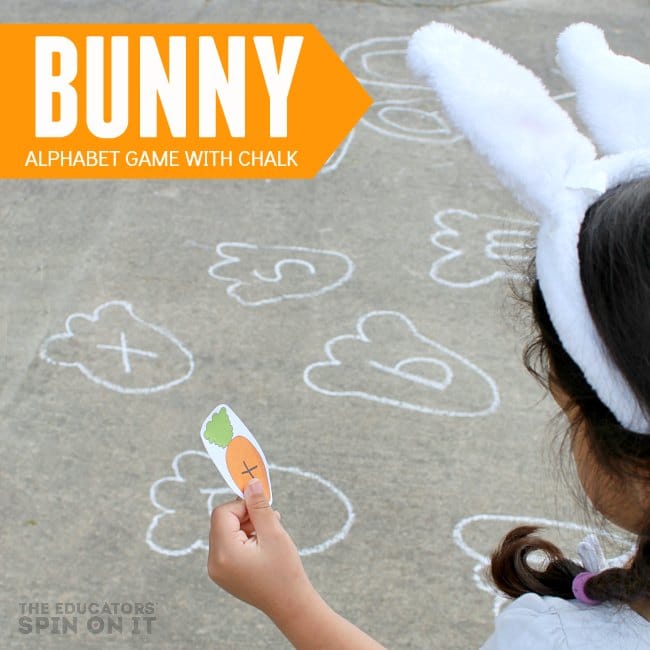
105,489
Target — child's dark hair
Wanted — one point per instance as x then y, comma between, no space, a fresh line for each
614,253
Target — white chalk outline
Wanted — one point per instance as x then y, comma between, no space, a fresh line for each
441,136
452,253
375,53
406,134
212,492
385,109
361,336
338,154
482,561
380,107
236,282
93,318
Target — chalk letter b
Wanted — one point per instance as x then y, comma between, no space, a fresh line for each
48,84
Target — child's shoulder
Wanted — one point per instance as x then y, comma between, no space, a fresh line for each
534,622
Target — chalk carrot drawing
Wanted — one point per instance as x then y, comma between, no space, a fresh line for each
184,497
478,248
387,360
234,450
262,275
116,349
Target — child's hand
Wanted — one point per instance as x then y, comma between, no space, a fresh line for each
252,556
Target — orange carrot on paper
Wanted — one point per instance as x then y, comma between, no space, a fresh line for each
233,450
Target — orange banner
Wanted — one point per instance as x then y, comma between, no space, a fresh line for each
172,101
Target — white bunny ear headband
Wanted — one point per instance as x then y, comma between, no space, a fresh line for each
508,116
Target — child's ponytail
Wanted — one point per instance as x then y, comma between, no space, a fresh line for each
514,576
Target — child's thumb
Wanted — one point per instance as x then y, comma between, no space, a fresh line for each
260,512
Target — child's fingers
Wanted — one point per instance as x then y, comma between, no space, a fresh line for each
261,514
248,527
227,518
230,518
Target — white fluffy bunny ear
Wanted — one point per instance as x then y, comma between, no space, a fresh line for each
612,91
508,116
506,113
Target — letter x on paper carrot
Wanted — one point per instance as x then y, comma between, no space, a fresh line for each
234,451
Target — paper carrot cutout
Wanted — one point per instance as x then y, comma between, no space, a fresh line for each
234,450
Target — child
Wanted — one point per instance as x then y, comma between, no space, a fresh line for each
590,299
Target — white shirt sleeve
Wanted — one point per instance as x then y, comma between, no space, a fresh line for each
528,623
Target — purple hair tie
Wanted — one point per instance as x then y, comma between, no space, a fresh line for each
578,588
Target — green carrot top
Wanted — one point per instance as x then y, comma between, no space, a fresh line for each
219,430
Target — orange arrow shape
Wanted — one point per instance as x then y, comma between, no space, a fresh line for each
172,101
